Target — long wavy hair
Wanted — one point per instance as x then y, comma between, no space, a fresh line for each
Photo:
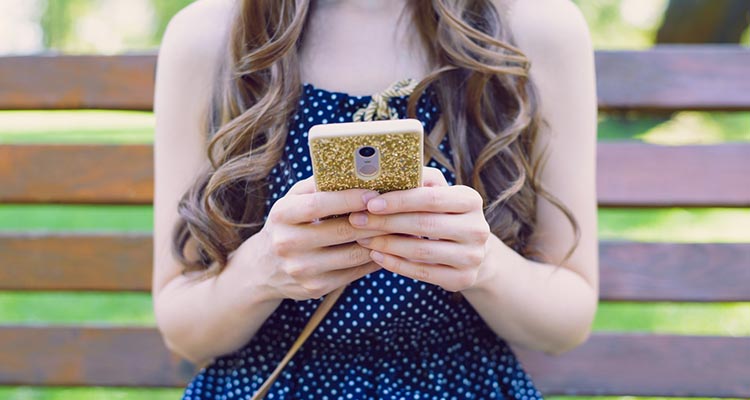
489,110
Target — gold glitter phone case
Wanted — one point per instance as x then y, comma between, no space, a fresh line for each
379,155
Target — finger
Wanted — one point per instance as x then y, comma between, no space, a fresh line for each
329,259
447,277
423,250
433,177
441,199
308,207
337,279
306,185
459,228
328,232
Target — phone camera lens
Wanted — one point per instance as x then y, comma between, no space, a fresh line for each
366,151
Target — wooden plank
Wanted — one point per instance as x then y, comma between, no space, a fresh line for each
674,272
674,77
644,175
608,364
629,174
629,271
612,364
117,174
705,77
34,261
77,82
74,356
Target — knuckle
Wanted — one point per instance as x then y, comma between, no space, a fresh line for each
281,245
345,231
357,255
295,269
480,233
422,251
276,215
474,257
311,206
433,198
426,223
314,288
477,199
471,198
423,273
382,243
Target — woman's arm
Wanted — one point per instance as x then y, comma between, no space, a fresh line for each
528,303
198,319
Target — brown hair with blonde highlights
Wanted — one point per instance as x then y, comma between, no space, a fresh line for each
489,111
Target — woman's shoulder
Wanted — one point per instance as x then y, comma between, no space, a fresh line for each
546,28
199,30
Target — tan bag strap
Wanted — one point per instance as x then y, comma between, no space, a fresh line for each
318,316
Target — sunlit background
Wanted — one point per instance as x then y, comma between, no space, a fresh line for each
120,26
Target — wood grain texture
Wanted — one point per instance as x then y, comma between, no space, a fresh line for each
94,174
644,175
95,356
40,261
608,364
629,271
611,364
674,77
77,82
629,174
705,77
674,271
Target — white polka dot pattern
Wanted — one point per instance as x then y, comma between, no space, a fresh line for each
388,336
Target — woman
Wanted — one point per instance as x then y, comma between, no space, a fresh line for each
505,90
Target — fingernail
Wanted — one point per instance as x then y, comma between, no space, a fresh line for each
376,256
365,241
376,205
358,219
369,196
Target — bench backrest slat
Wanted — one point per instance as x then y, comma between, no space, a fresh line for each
665,78
609,364
629,271
629,174
77,82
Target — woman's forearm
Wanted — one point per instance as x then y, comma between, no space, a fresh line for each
535,305
203,319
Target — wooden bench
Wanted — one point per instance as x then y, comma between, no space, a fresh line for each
629,175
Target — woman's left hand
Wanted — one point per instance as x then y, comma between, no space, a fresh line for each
451,216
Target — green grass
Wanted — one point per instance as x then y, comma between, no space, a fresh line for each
113,127
130,127
660,225
66,217
28,393
83,126
66,308
681,128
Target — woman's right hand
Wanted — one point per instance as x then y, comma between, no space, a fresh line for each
304,256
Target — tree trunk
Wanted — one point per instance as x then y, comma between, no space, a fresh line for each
704,21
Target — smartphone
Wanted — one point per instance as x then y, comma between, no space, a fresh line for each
382,155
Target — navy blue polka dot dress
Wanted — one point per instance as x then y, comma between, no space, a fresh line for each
388,336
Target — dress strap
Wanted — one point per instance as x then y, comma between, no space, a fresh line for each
378,107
